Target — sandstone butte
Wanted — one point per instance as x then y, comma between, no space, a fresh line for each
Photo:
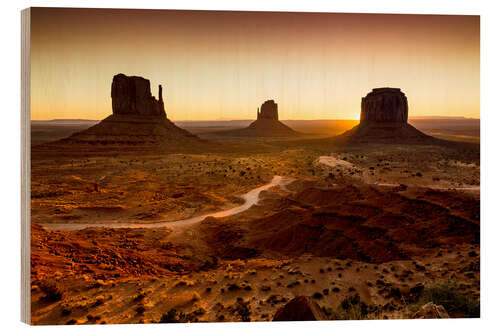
137,118
267,124
384,118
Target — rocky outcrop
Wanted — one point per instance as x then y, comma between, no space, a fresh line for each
301,308
138,119
268,110
266,125
431,311
384,118
131,95
384,105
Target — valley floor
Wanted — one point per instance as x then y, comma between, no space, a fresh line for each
392,224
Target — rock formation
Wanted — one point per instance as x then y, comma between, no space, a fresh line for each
268,110
431,311
138,118
384,105
131,95
301,308
266,125
384,117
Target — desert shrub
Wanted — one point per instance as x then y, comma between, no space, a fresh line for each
65,312
199,311
317,295
171,317
275,299
242,309
139,297
419,267
233,287
449,296
352,308
265,288
472,254
91,318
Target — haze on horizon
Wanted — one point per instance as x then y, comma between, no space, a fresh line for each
222,65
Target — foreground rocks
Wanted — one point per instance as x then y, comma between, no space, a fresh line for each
431,311
301,308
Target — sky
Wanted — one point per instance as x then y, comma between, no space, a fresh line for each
221,65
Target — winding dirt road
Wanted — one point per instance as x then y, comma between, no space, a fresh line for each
251,198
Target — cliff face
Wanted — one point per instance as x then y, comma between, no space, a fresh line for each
131,95
268,110
384,118
384,105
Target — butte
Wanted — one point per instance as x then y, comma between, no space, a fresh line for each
384,118
138,119
266,125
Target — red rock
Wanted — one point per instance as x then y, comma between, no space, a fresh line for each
384,118
384,105
138,119
431,311
131,95
268,110
301,308
266,125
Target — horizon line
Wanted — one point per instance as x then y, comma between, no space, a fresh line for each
252,119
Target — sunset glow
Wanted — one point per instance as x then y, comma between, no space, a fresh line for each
222,65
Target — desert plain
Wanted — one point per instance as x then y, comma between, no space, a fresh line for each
367,230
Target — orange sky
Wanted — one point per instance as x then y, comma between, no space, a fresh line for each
222,65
